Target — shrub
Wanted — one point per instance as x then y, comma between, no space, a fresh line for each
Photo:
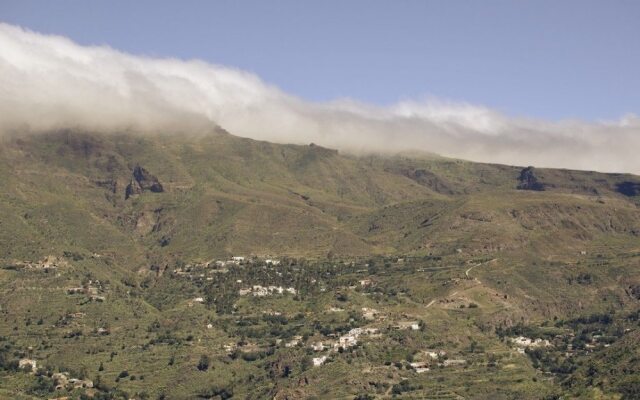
203,363
223,393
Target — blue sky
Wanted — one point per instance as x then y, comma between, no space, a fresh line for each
543,59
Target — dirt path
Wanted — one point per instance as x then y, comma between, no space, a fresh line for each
477,265
432,302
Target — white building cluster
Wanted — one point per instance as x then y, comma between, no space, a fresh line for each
261,291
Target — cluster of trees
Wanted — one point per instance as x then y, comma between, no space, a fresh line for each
221,392
404,386
8,356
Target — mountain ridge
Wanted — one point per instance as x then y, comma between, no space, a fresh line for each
323,188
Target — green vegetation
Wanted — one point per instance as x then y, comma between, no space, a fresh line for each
354,277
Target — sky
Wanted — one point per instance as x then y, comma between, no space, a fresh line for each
548,84
554,60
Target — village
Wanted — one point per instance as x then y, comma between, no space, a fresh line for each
247,272
307,314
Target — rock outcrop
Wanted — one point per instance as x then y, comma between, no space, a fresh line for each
429,179
142,181
628,188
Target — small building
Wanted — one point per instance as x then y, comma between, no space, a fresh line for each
369,313
420,367
403,325
294,341
81,383
75,290
434,354
449,363
28,364
318,361
524,342
230,348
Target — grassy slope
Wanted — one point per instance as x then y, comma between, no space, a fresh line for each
229,195
225,195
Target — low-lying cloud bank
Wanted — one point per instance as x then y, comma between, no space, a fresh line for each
49,82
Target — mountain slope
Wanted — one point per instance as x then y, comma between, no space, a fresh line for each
114,267
225,195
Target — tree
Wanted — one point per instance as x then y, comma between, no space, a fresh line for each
203,363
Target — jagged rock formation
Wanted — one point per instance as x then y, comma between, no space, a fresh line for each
529,181
142,181
428,179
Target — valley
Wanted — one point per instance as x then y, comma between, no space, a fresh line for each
212,266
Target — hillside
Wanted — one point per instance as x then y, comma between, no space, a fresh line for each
115,256
222,195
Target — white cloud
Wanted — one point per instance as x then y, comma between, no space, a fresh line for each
49,82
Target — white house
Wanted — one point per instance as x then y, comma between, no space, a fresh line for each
294,341
318,361
420,367
369,313
522,341
27,363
